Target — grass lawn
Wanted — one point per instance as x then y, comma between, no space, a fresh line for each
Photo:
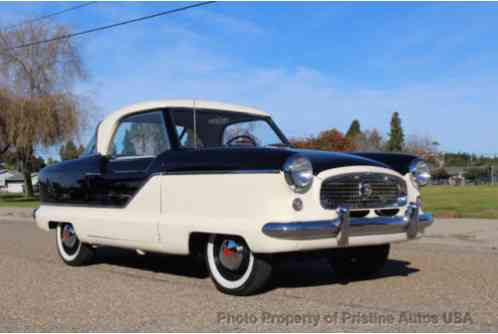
461,202
18,201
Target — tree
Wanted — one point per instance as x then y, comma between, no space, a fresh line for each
354,130
6,106
42,109
476,174
440,174
369,141
70,151
37,163
426,148
51,161
375,140
328,140
396,135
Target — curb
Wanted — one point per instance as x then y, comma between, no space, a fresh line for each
16,213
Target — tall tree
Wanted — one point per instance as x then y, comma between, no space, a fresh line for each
43,109
354,130
396,135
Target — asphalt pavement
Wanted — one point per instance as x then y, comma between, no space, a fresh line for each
445,282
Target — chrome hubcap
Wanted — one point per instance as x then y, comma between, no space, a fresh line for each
231,254
68,236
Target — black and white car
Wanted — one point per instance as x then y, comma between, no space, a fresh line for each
222,181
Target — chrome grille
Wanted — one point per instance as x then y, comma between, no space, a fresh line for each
363,191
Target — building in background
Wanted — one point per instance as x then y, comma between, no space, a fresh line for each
13,182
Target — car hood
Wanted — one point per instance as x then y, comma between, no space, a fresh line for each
322,160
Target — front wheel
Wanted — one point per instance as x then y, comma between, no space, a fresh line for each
357,262
72,251
234,269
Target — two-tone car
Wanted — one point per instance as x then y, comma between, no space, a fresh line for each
222,181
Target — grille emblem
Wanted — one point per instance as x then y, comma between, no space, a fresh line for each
364,190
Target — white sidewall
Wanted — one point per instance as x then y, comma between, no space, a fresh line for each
217,275
62,251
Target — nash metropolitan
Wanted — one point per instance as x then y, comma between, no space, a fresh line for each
222,181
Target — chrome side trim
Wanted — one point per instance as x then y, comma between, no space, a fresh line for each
209,172
344,227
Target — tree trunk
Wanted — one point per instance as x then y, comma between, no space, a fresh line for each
28,185
24,156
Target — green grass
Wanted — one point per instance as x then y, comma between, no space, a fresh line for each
461,202
18,201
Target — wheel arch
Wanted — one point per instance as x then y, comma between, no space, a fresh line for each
52,225
197,242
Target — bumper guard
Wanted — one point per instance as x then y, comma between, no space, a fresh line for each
343,227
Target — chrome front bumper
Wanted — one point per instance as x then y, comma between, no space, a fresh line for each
343,227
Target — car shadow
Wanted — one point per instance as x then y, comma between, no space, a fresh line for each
306,272
317,272
152,262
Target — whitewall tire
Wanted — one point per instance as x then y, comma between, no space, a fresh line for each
70,248
233,268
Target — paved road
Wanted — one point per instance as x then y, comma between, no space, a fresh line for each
449,281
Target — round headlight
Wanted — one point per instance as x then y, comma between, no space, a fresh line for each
298,173
421,173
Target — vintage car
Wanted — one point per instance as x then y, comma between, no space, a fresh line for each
222,182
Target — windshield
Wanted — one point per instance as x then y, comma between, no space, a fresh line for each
211,128
91,147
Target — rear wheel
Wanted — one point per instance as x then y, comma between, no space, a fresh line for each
233,268
357,262
70,248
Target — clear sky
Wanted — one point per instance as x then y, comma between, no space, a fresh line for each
313,66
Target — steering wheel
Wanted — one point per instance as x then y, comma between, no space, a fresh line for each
251,139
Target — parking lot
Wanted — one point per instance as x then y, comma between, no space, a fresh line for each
448,281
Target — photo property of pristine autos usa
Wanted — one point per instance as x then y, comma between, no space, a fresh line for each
222,182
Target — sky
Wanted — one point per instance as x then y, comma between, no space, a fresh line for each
313,66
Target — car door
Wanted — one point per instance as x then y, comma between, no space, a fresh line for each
128,187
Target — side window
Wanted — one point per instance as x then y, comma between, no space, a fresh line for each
140,135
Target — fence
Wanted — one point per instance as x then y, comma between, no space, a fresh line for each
471,175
